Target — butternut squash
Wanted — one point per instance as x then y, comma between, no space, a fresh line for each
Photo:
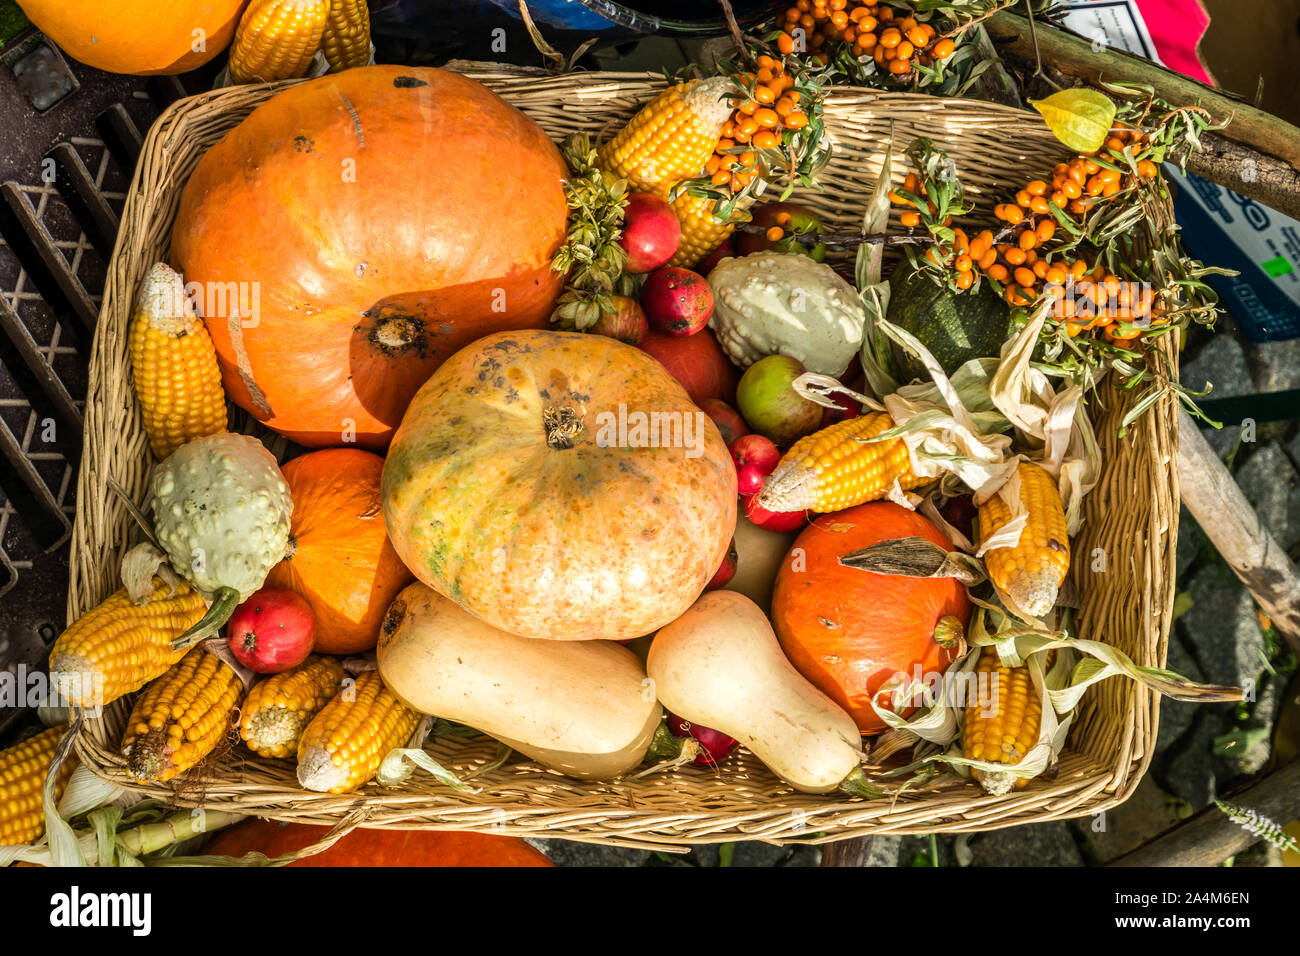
583,708
720,665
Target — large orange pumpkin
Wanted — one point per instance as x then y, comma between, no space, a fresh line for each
511,489
340,559
376,221
376,847
848,630
142,37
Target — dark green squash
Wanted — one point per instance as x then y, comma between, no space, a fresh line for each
955,326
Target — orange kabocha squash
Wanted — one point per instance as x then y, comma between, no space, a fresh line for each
848,630
376,847
339,558
370,223
527,485
142,37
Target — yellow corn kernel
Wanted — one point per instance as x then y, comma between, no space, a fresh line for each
345,743
276,39
671,138
346,40
1006,736
836,468
119,646
1030,573
174,365
181,717
22,778
702,231
278,708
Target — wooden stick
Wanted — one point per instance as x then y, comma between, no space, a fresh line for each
853,852
1209,838
1256,155
1219,507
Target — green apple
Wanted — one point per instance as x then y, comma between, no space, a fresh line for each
771,406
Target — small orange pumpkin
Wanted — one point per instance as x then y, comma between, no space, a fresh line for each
848,630
370,223
376,847
140,37
340,559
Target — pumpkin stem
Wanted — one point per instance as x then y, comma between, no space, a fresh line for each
563,425
224,603
396,333
857,784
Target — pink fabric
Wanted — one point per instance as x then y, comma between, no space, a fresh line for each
1176,27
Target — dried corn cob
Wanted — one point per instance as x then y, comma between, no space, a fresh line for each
174,365
671,138
1007,735
22,778
702,231
276,39
346,40
119,646
181,717
1031,572
278,709
346,742
836,468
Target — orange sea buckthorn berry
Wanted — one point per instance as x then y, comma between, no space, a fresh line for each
766,62
1015,256
774,234
891,38
1059,199
1147,169
840,19
960,243
917,37
1030,257
963,263
783,219
910,219
884,13
785,43
997,271
1039,205
1071,189
965,280
1045,230
987,260
1028,239
1116,144
1025,276
900,66
764,95
767,118
1040,268
944,48
1023,199
721,177
796,120
904,50
1036,188
765,139
1056,275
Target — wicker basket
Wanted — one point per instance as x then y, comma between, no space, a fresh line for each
1132,515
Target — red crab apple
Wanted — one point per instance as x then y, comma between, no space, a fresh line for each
651,232
724,251
677,301
726,571
779,521
757,451
726,418
627,322
272,631
715,746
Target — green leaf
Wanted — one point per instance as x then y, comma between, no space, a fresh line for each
1079,118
